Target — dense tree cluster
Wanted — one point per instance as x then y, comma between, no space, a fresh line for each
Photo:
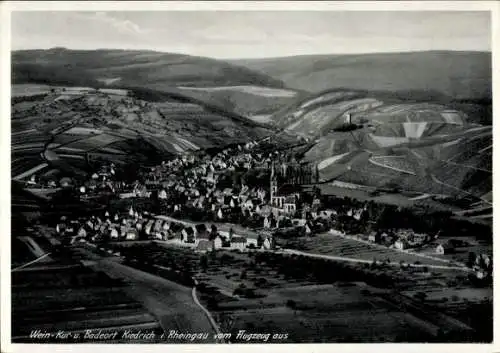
385,217
326,271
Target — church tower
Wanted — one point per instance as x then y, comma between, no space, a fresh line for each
273,187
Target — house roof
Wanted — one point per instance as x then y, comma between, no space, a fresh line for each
203,235
158,224
290,199
237,239
204,245
201,227
175,227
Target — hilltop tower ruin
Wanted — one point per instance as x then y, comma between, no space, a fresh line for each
348,119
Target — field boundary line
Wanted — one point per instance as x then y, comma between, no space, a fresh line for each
394,249
205,310
435,179
31,262
350,259
388,166
197,302
31,171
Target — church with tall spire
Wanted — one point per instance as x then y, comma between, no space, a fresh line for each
273,187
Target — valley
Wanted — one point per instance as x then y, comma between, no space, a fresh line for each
320,198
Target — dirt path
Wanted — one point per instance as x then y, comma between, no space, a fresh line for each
352,260
171,303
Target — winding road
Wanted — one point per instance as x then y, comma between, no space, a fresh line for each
172,304
348,259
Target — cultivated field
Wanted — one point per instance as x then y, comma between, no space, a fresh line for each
328,244
327,313
256,292
461,254
23,90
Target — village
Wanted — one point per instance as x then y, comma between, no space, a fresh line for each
239,198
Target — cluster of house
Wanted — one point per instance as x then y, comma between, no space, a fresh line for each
205,237
48,183
135,226
194,181
191,182
208,168
401,239
407,238
482,265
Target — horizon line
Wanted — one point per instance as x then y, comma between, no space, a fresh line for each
255,58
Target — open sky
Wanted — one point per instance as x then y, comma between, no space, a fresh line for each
254,34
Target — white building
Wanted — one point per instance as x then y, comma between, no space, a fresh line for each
217,242
114,233
251,241
239,243
290,205
132,234
82,232
400,244
278,201
299,222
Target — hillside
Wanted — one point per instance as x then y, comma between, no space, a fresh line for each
127,67
246,100
383,140
62,131
459,75
418,121
230,87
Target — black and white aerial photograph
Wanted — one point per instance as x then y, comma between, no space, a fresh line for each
250,177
